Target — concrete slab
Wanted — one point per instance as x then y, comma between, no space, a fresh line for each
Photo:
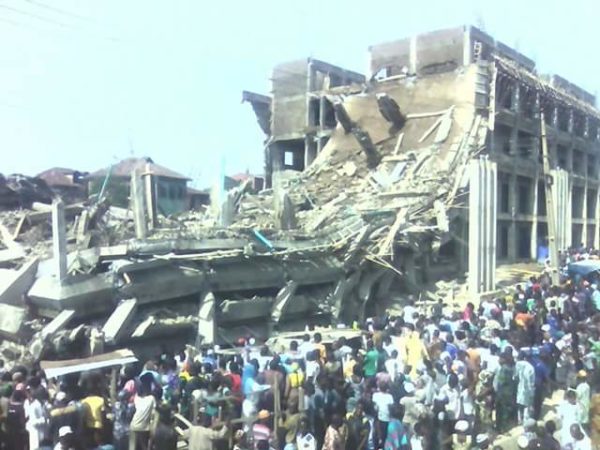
86,294
15,283
117,323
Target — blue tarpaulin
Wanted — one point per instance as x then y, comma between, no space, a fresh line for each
584,268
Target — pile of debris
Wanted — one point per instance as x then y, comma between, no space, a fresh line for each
327,243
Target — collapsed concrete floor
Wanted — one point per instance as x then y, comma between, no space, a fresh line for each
362,224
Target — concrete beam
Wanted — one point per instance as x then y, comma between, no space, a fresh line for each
58,323
14,284
285,213
116,324
59,240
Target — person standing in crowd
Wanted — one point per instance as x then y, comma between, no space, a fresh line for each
505,387
140,426
16,432
421,379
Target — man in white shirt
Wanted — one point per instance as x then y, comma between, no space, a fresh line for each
578,440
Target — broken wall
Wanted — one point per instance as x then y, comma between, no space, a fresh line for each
289,88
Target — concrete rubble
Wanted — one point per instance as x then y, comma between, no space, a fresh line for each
320,244
329,242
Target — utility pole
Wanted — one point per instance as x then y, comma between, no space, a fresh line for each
550,211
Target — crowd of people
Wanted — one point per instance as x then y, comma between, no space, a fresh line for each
432,377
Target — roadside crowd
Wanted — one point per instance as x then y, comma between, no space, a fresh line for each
428,378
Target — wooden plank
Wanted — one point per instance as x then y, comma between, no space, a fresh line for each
401,217
426,114
398,143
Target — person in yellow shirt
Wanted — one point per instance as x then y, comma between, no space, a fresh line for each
93,417
415,350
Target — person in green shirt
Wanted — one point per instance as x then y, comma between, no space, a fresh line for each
370,362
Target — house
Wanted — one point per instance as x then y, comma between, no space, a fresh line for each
257,183
69,184
169,188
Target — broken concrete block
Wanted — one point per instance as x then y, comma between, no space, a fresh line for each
227,210
11,321
117,323
15,283
349,168
285,212
284,296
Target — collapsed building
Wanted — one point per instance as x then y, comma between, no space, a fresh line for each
375,185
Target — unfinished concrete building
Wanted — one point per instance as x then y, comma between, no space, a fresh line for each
299,118
429,167
465,66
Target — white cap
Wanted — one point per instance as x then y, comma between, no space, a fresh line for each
60,396
409,388
64,431
523,441
481,438
461,426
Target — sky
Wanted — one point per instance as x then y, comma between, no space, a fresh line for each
85,83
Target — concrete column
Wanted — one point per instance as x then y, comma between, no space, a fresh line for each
483,179
59,240
413,55
561,192
571,122
207,328
584,214
512,228
150,197
321,112
516,98
136,197
597,219
534,222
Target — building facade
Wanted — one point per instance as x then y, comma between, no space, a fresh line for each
508,94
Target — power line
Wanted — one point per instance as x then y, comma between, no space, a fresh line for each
59,10
35,16
62,25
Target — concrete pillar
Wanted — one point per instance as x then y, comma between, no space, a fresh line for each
512,227
482,225
516,97
136,197
584,214
534,222
412,64
597,220
150,197
561,192
59,240
207,328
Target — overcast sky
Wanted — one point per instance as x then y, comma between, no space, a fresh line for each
85,83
